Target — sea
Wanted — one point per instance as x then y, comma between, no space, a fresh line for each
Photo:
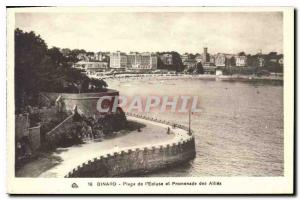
238,131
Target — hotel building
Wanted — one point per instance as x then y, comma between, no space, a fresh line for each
142,61
220,60
118,60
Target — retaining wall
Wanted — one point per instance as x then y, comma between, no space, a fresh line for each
35,137
138,160
86,102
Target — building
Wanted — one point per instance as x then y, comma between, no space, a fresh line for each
99,56
132,60
142,61
91,67
184,57
90,56
148,61
198,58
190,63
166,58
212,60
118,60
220,60
260,61
240,61
219,72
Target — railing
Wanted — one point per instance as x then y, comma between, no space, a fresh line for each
186,128
58,126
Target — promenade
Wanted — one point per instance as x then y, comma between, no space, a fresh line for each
153,134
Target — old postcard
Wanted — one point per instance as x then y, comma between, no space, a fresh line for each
150,100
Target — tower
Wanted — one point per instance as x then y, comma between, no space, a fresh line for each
205,55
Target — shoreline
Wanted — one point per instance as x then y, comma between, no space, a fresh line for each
234,77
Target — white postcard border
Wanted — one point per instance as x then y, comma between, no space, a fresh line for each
229,185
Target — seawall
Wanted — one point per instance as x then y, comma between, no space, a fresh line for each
140,160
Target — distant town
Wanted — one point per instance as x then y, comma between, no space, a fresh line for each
97,64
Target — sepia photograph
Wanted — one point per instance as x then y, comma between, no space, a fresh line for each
150,93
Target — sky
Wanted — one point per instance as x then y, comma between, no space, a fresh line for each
221,32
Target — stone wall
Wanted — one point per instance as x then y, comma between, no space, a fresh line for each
135,161
139,160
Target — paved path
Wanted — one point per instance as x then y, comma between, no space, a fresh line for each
76,155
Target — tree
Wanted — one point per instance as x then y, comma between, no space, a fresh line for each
30,52
38,68
199,68
90,53
272,55
66,52
232,61
56,56
241,54
100,85
272,62
195,69
177,64
74,53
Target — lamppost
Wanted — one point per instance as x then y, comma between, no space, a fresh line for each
190,122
